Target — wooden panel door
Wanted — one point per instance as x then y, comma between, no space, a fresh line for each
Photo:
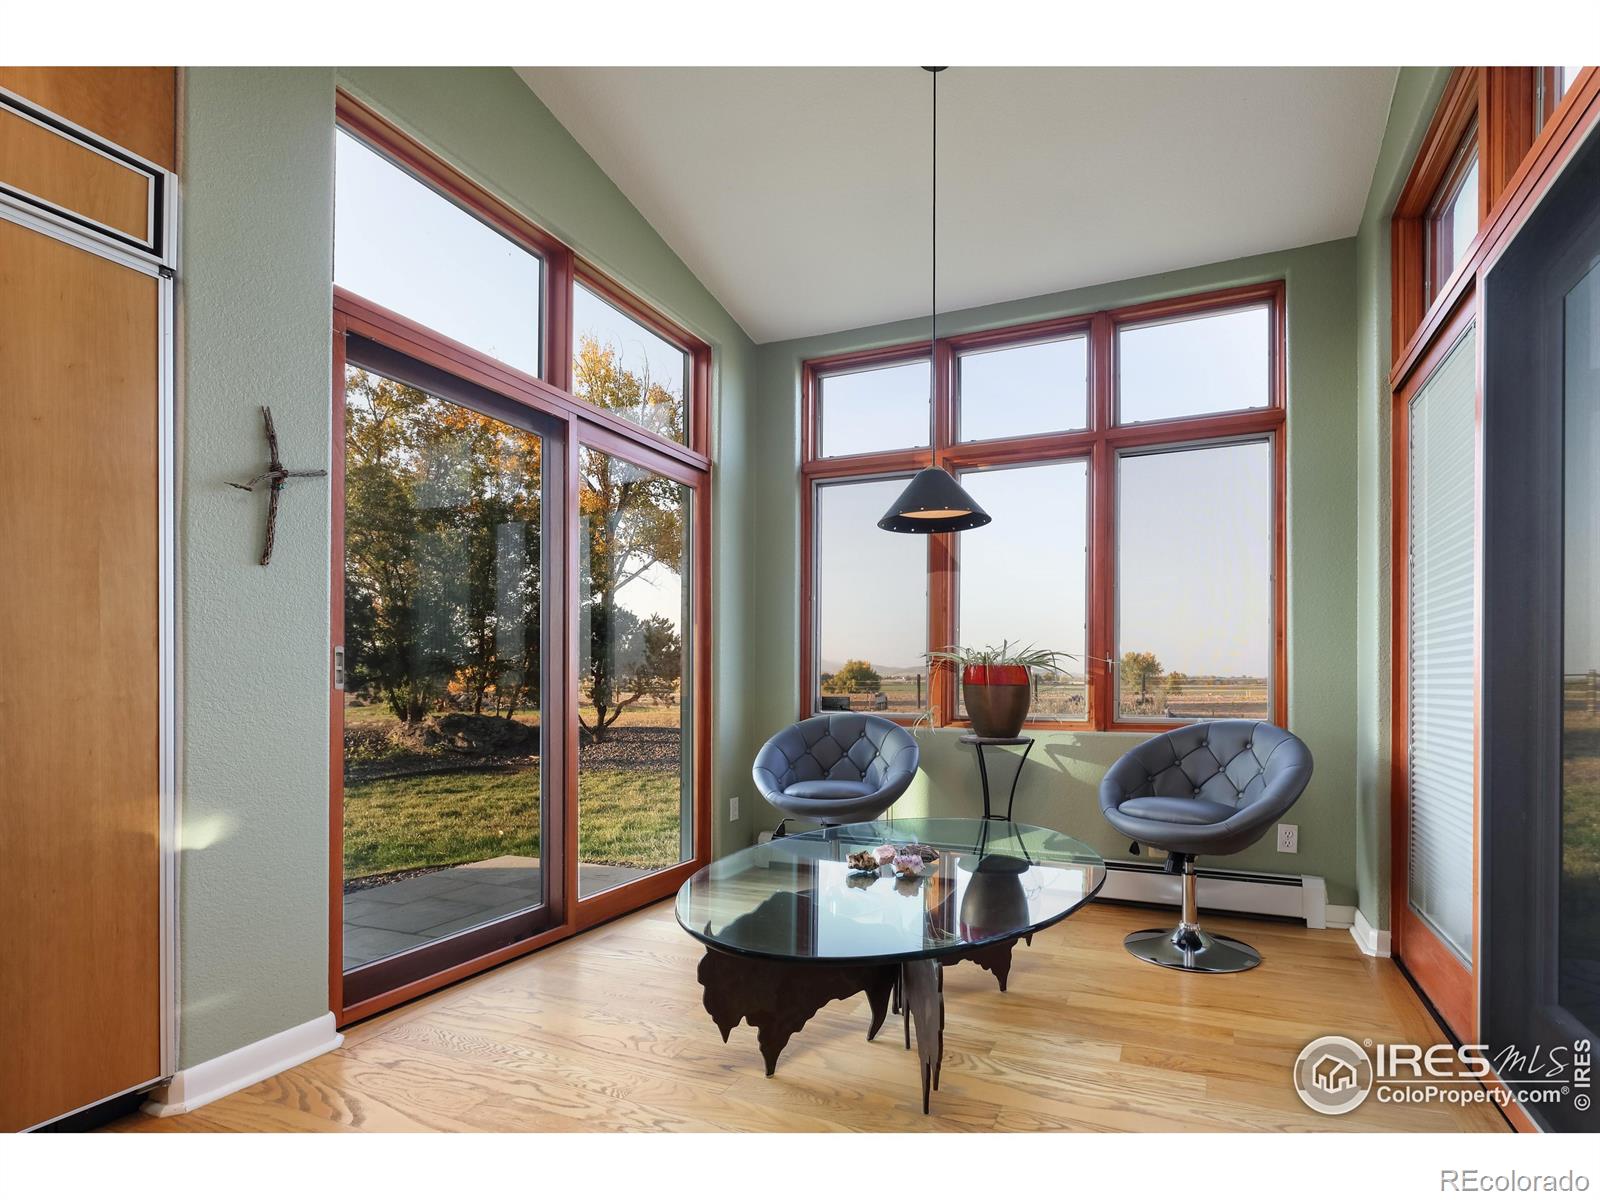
81,830
131,106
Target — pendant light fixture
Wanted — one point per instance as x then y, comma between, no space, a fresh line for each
933,501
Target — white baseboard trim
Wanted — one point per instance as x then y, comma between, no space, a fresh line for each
1372,941
1341,916
217,1077
1254,892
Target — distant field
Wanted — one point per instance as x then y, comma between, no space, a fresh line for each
1067,698
1202,696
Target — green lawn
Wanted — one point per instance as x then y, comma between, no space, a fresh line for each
628,817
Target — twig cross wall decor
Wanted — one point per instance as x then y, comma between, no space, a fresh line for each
274,477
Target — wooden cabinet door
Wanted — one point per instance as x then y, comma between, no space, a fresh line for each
81,831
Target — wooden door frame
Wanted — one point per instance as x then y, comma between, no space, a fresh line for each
1448,983
582,424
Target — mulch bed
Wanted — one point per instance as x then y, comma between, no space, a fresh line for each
634,746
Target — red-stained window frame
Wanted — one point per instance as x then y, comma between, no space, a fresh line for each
586,425
1099,445
562,269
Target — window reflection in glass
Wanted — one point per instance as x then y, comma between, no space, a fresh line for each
634,758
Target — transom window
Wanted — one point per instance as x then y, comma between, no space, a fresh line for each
1452,216
406,246
1132,462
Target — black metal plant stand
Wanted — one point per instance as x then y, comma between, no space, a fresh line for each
979,743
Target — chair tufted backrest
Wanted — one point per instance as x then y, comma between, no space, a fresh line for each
854,747
1225,762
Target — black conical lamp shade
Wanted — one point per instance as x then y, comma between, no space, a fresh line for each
933,502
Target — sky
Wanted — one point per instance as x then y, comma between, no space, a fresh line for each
404,246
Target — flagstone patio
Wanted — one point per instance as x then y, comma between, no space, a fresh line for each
397,916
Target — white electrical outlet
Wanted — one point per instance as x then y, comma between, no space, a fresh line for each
1154,852
733,808
1288,839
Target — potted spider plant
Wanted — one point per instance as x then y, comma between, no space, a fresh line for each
996,682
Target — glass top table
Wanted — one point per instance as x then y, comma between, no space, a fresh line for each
790,925
798,899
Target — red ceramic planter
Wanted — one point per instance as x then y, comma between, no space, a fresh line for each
996,699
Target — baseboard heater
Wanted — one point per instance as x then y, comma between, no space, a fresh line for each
1250,893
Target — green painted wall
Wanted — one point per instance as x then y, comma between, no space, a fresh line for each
1060,787
256,294
1416,93
255,289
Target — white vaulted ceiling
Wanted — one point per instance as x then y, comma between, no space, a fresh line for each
799,196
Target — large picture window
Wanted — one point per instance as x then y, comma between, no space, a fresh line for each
1132,461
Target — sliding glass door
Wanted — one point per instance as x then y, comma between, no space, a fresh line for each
521,563
448,498
635,758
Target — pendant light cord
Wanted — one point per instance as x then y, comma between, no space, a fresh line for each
933,239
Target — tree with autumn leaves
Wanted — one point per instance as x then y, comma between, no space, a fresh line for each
442,527
633,522
442,514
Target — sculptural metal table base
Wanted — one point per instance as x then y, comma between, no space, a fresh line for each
777,998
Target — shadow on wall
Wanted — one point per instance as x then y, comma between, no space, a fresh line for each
1059,787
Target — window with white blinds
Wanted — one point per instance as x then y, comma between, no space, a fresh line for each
1441,625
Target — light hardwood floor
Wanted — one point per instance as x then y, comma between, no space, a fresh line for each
607,1032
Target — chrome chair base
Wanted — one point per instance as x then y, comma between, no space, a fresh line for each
1190,948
